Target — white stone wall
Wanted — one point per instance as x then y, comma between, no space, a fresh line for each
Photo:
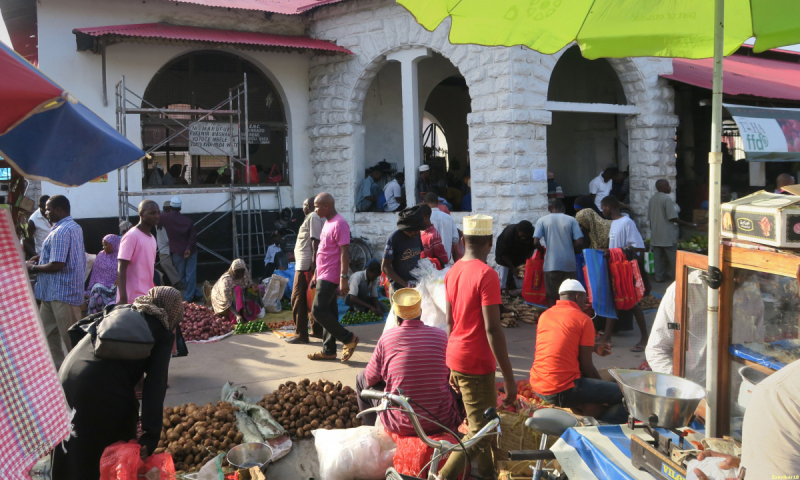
507,126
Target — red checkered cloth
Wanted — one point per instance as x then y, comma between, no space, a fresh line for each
34,416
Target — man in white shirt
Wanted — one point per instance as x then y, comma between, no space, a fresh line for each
363,294
446,227
305,255
623,234
394,194
38,225
164,257
601,185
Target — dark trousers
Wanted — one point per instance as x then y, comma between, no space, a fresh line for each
363,404
326,313
591,390
300,305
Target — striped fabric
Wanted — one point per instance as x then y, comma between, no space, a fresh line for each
33,411
411,357
603,453
64,244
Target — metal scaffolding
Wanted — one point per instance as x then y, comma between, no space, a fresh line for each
240,199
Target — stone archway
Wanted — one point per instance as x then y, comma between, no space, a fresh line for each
506,138
651,132
507,126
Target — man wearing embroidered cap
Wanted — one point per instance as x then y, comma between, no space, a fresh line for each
182,246
563,373
476,342
423,182
411,358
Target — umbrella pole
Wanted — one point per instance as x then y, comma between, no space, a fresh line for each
714,179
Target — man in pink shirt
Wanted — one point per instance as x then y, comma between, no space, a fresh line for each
137,256
333,260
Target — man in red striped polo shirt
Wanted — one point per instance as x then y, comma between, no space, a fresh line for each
411,357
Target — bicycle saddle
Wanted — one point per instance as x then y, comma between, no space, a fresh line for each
551,421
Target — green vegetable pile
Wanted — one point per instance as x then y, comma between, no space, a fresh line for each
255,326
358,318
387,302
695,244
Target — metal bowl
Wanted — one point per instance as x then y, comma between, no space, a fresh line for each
248,455
672,399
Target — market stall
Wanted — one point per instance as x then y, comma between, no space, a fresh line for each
759,322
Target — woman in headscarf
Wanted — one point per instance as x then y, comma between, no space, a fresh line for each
102,290
235,295
102,391
594,227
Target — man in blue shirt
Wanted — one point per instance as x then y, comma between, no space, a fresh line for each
562,236
367,200
60,276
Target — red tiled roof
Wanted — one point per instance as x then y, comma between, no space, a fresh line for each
742,75
286,7
178,33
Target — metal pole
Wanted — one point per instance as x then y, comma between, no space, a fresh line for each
714,273
247,169
232,166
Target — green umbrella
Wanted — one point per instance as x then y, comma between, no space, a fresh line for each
613,28
634,28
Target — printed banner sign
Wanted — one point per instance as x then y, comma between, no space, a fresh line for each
214,138
768,134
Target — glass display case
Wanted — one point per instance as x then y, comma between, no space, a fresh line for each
759,326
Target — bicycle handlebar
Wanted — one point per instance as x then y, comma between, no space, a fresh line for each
494,420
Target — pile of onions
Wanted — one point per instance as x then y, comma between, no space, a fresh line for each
200,323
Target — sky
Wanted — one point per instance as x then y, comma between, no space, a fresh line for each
4,33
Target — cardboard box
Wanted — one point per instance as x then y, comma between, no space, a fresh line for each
765,218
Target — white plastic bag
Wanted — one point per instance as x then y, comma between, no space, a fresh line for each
353,453
275,286
274,308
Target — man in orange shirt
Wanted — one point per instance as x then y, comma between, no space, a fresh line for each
563,373
476,344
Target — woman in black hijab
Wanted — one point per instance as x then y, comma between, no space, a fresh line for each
102,391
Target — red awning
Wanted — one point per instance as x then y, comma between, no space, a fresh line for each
742,75
165,34
286,7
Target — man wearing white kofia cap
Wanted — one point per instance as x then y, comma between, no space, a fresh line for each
476,342
423,182
563,373
183,247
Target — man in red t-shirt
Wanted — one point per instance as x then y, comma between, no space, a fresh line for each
475,340
563,373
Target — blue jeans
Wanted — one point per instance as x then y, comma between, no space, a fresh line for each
590,390
187,269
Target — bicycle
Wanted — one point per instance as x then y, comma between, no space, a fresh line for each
440,447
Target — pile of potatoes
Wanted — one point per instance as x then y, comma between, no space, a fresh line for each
305,406
193,435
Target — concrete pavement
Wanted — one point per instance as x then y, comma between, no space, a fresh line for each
261,362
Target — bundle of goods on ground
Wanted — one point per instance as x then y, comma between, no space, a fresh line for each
304,406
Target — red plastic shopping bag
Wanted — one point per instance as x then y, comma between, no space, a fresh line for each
638,281
121,461
621,280
533,285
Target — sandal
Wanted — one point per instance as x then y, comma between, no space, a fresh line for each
349,349
320,356
637,349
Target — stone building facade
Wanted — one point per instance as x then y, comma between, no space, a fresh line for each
507,127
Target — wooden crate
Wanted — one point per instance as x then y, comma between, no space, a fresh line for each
508,470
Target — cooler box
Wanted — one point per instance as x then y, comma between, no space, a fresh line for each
765,218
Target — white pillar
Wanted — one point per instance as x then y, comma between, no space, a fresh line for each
412,118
